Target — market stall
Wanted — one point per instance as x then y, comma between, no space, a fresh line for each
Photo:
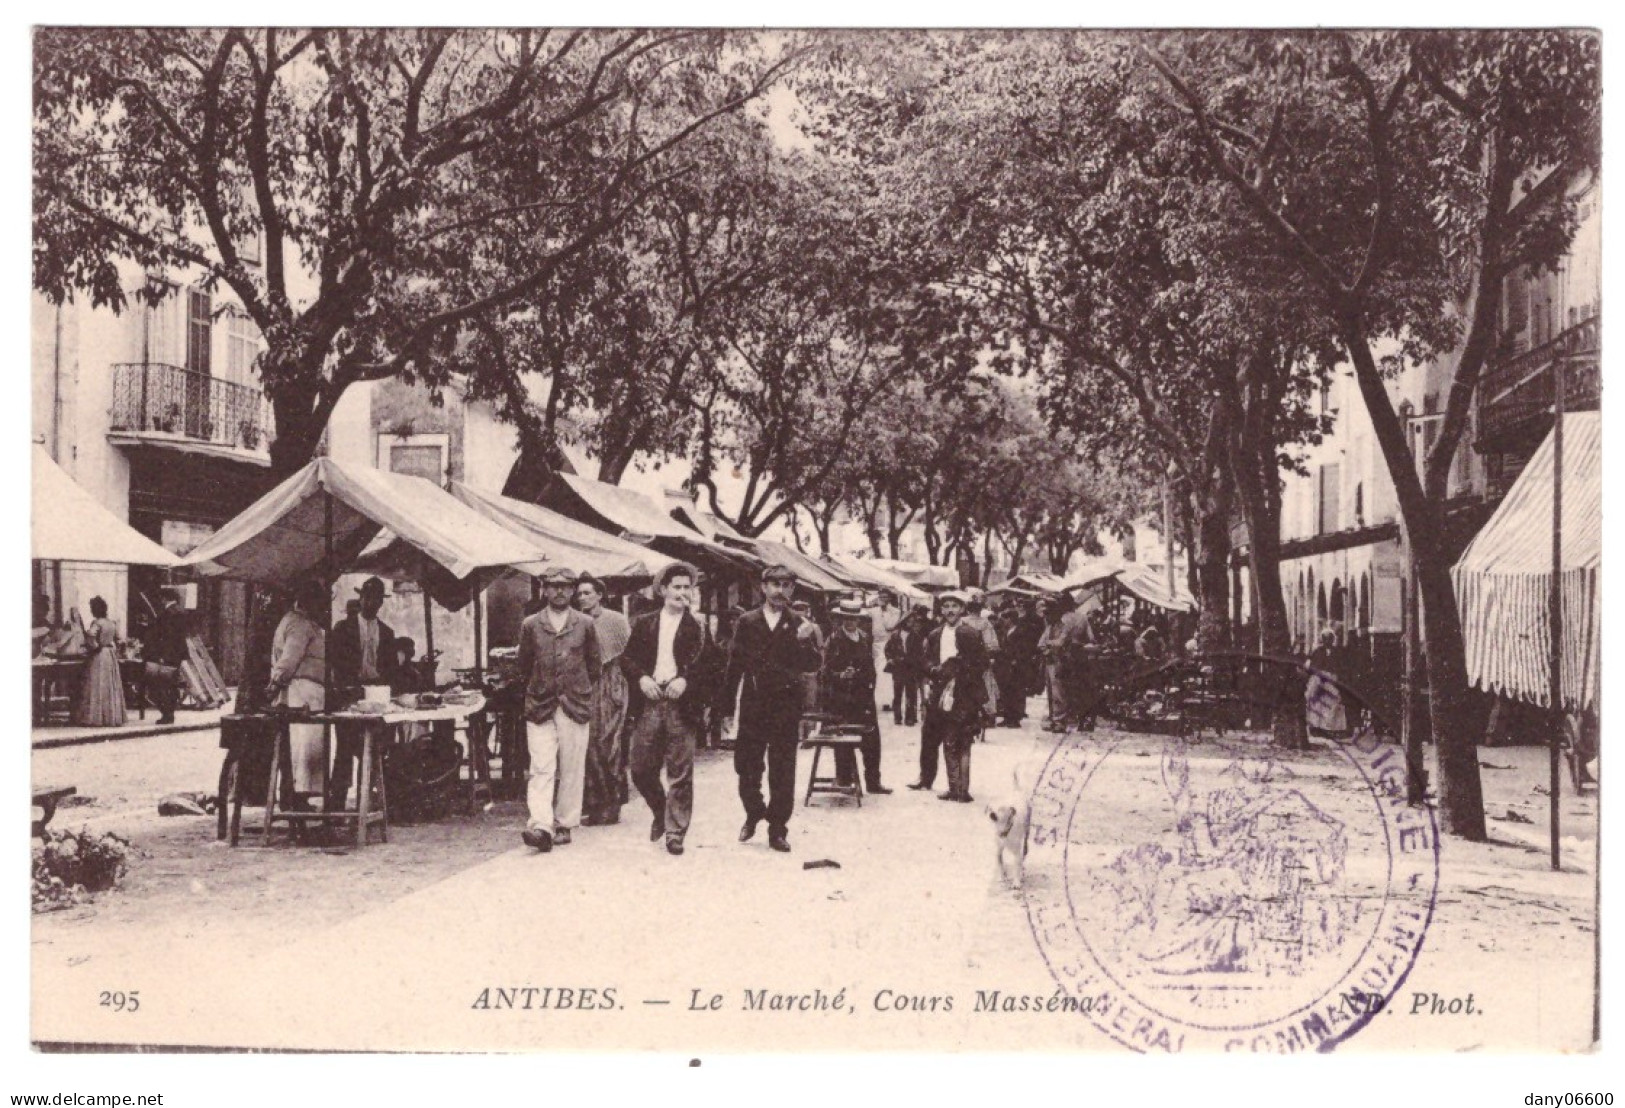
68,524
810,573
327,519
632,516
927,577
873,576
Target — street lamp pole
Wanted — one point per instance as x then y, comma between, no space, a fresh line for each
1555,608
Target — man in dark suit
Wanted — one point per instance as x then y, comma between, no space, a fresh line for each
772,647
363,646
666,661
955,659
362,652
164,650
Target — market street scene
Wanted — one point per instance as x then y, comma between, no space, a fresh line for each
816,541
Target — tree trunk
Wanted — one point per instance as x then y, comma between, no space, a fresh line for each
1456,729
1212,561
298,432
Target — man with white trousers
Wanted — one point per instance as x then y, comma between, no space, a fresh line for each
560,658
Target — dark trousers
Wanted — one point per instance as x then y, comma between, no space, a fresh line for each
956,748
772,747
163,686
846,762
952,737
662,738
905,701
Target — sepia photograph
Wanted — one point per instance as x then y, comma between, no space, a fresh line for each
695,541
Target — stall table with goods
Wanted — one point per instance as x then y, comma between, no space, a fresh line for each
258,762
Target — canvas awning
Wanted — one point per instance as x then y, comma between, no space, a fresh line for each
70,525
866,572
639,519
567,542
1503,579
285,534
927,577
1152,587
1035,583
809,571
1093,571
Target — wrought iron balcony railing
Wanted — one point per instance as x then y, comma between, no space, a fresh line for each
1517,393
151,396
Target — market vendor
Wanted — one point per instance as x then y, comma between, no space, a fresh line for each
298,679
363,654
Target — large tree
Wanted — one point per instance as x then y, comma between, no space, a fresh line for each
409,187
1404,176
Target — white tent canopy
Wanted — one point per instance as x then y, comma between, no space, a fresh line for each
925,576
865,570
567,542
1503,580
70,525
327,505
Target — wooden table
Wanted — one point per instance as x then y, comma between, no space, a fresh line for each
51,671
265,738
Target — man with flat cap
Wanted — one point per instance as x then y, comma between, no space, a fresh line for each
560,660
772,648
956,660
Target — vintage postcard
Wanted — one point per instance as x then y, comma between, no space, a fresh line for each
731,541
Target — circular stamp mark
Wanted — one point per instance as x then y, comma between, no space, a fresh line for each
1194,887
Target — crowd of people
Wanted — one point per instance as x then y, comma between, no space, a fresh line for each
607,701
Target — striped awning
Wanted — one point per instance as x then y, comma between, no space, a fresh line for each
1503,579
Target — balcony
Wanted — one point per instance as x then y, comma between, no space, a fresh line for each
1515,396
165,403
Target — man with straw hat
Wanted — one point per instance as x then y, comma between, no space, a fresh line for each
848,683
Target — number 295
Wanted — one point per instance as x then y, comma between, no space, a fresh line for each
121,1002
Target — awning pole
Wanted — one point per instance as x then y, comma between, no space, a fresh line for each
479,653
1555,609
428,632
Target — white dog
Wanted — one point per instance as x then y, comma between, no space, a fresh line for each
1009,817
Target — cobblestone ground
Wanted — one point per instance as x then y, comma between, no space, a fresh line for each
410,945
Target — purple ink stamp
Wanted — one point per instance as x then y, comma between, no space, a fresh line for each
1195,887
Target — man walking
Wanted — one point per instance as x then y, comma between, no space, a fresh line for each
954,697
772,648
666,663
166,649
559,656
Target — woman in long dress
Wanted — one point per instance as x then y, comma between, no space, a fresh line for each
101,694
605,787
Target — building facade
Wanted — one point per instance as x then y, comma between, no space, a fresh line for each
1343,558
157,412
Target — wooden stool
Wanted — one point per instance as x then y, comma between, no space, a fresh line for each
833,737
279,794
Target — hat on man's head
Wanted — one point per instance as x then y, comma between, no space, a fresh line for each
951,594
558,575
778,573
372,584
801,602
849,608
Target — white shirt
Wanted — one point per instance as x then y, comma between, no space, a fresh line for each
950,644
558,618
369,648
772,618
666,655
